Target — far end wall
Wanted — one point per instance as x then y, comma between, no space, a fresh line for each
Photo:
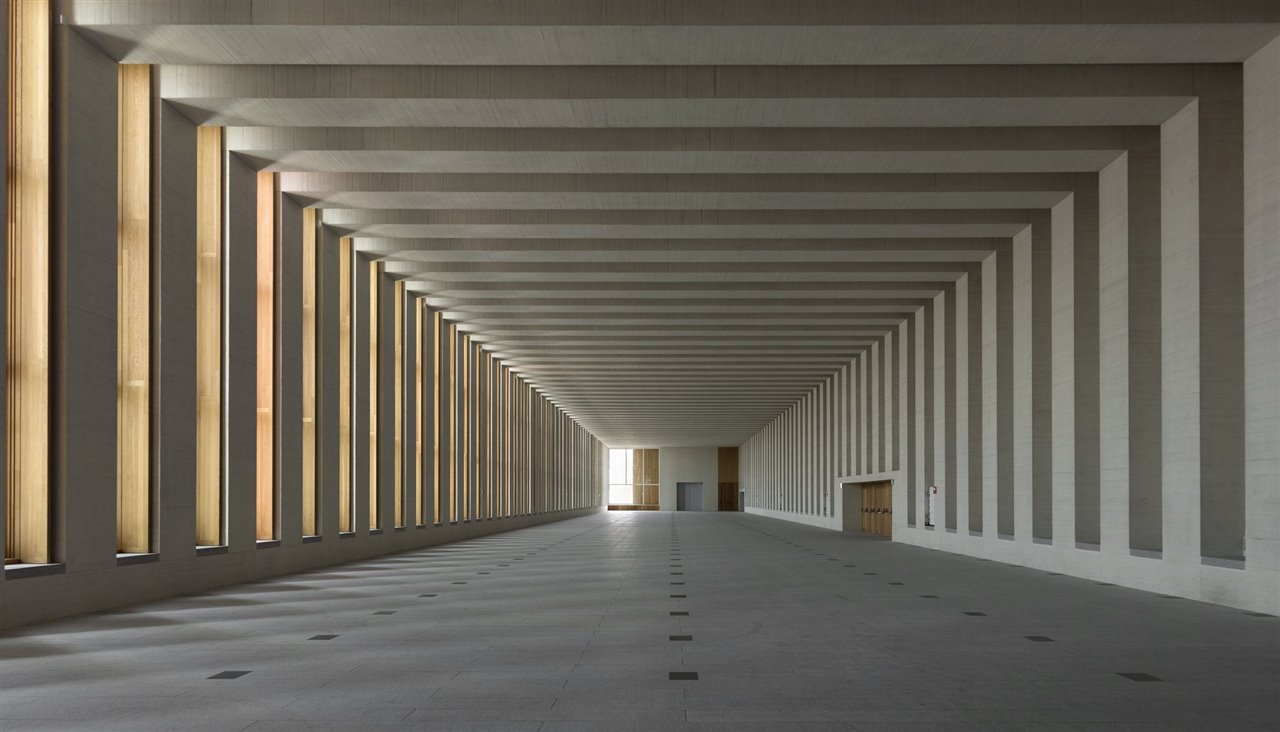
688,465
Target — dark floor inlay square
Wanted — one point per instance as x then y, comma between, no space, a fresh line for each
679,612
850,565
868,573
228,674
677,583
322,637
679,596
680,637
931,597
975,614
458,583
385,612
1039,638
1139,676
895,583
673,574
682,676
428,595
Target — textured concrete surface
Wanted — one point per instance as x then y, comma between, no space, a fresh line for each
1021,251
570,626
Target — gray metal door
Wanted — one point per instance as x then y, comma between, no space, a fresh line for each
688,496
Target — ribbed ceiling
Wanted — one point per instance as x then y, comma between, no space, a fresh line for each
675,218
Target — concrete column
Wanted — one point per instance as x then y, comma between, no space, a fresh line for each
864,413
793,459
904,508
944,408
890,380
851,418
838,414
175,362
83,325
1113,356
1180,342
855,417
289,372
1075,359
769,445
967,494
241,355
824,494
1202,345
1262,326
815,448
446,457
997,422
1222,326
784,467
924,455
804,445
360,393
820,490
1032,368
410,411
874,409
328,405
789,460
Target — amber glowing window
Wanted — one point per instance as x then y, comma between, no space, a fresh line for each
437,355
397,407
420,412
310,342
209,342
133,306
485,362
346,406
465,417
266,362
375,455
507,424
27,347
454,388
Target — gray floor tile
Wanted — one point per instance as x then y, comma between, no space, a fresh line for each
575,636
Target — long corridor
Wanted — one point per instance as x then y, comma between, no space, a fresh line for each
654,621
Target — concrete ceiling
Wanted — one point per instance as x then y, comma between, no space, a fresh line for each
675,218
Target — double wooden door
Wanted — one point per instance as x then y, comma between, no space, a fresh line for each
877,508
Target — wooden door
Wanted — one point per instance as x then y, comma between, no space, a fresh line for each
877,508
727,468
728,497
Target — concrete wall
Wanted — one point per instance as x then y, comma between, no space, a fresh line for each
1099,396
688,465
88,575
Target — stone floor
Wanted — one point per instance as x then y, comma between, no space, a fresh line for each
592,623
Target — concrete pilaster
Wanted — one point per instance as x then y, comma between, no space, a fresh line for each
997,393
944,411
1262,326
241,354
328,363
